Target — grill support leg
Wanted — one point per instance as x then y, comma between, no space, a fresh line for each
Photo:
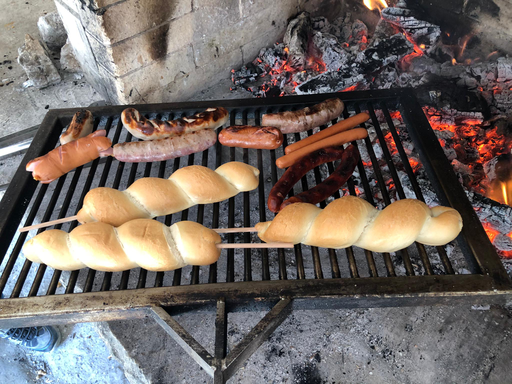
223,366
183,338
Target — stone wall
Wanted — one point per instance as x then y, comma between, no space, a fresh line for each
149,51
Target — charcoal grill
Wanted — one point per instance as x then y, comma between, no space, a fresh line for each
304,278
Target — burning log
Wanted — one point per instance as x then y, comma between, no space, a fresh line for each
383,53
296,39
425,34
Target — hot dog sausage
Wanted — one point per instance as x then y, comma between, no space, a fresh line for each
245,136
338,139
343,125
165,149
304,119
155,129
67,157
330,185
297,171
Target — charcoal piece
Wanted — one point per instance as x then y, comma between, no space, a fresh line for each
383,53
329,82
358,39
37,64
331,51
421,31
296,39
52,31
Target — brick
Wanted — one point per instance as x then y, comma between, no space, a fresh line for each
102,53
79,41
229,39
249,8
143,49
328,8
252,48
131,17
134,86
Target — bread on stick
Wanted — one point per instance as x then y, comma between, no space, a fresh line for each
138,243
150,197
353,221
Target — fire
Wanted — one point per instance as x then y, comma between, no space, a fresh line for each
491,232
351,88
375,4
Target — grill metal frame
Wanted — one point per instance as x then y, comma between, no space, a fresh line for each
487,283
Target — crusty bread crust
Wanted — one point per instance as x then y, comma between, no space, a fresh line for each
353,221
138,243
151,197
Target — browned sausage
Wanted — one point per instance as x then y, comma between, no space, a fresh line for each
245,136
296,171
304,119
330,185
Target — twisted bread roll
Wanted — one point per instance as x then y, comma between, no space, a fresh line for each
353,221
150,197
138,243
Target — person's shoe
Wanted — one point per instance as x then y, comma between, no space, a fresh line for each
40,339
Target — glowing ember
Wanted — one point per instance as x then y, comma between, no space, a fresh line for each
375,4
491,232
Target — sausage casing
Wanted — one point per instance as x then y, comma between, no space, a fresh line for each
165,149
304,119
245,136
330,185
294,173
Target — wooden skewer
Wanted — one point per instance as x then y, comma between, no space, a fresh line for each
254,245
235,230
218,230
48,223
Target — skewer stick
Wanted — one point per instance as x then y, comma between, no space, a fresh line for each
48,223
255,245
235,230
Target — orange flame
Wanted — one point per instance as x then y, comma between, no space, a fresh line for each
375,4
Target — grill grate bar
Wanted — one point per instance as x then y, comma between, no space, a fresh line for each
247,216
212,272
283,275
385,193
22,237
265,267
194,279
372,267
73,277
42,268
369,197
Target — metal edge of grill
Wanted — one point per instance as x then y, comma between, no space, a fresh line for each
487,282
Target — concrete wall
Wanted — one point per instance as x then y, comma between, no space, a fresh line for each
148,51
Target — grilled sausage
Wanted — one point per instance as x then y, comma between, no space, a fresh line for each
330,185
155,129
304,119
80,126
67,157
165,149
297,171
245,136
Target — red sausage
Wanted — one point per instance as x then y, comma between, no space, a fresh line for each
245,136
294,173
330,185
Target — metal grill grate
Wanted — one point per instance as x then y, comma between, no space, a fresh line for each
304,272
